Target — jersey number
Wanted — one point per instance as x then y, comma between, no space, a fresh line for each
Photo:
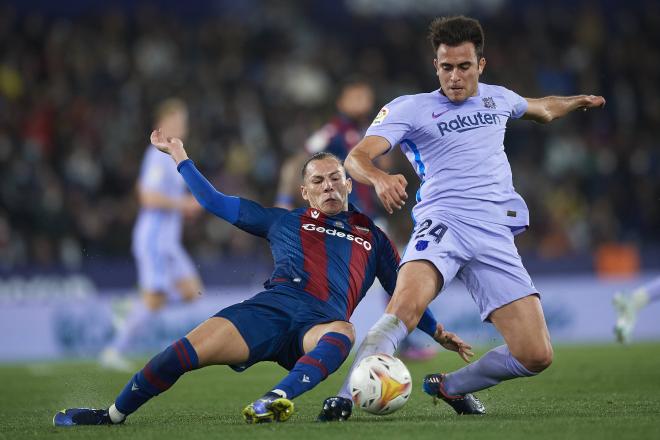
427,228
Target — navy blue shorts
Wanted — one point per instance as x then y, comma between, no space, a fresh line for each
273,324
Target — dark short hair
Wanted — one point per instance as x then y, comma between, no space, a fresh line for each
454,31
319,156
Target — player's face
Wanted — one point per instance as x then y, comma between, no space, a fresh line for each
326,186
458,69
356,101
175,124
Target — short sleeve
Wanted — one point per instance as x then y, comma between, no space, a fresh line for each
154,172
394,121
518,103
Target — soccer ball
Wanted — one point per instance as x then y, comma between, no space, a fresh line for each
380,384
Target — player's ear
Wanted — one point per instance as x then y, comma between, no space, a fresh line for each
349,185
435,64
303,192
482,65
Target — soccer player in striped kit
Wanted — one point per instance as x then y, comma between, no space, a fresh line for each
466,215
325,257
166,274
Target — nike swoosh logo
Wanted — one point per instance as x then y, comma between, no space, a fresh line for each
438,115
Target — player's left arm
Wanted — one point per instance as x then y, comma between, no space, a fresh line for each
548,108
387,272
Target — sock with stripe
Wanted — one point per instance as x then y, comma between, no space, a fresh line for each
158,375
315,366
492,368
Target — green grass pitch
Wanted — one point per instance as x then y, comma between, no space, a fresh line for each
590,392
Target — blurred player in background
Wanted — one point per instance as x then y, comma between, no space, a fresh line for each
166,274
326,258
467,211
355,104
627,307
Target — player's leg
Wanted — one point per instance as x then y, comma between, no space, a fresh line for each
325,347
215,341
527,352
417,285
505,295
154,270
141,315
627,307
187,281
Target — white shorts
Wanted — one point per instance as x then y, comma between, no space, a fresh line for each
160,269
481,254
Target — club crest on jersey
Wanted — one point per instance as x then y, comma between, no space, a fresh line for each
380,117
421,245
315,213
489,102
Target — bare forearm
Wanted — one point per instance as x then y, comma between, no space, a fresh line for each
552,107
154,200
361,168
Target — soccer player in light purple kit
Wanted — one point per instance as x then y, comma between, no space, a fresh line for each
627,307
467,212
166,274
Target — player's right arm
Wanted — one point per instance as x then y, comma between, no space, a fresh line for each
391,189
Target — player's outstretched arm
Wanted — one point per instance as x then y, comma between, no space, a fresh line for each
391,189
223,206
546,109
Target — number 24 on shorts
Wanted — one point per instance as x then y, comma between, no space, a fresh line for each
427,227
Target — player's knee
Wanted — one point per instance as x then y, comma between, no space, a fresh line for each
537,360
345,328
189,289
153,301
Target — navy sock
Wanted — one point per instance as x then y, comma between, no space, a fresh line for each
315,366
158,375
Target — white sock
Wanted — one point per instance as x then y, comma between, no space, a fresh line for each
383,337
115,415
279,393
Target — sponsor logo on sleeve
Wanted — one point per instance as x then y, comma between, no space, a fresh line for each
380,117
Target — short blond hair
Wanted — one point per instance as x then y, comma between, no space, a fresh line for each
168,107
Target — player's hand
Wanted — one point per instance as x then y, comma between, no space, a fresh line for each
169,145
592,101
452,342
391,190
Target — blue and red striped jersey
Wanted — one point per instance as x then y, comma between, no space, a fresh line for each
333,258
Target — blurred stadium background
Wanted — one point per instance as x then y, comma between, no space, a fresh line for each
79,81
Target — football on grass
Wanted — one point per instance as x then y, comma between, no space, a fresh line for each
380,384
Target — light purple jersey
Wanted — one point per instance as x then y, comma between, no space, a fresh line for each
158,230
458,152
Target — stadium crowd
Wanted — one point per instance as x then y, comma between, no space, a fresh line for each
77,92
